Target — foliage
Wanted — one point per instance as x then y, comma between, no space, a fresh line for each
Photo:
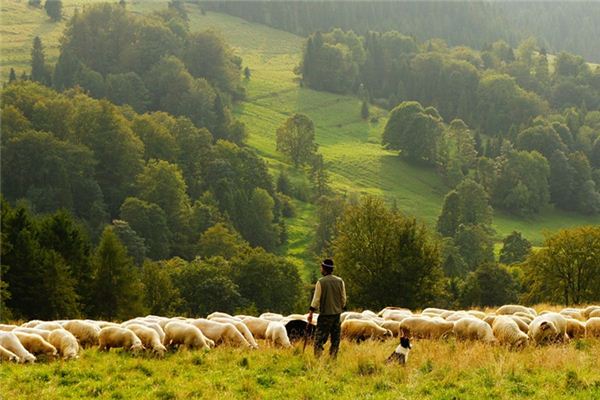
515,248
489,285
205,286
54,9
296,139
267,282
117,292
221,241
468,204
386,258
567,268
413,130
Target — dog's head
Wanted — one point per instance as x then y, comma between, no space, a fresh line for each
405,342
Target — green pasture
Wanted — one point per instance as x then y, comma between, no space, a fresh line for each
435,370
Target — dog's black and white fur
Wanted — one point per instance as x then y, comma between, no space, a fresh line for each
401,353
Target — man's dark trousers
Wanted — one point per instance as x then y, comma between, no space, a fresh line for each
328,325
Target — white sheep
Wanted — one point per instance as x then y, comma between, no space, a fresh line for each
277,334
86,333
48,325
241,327
472,328
221,332
426,328
507,332
149,338
184,334
7,355
588,310
592,327
7,327
115,337
44,334
257,326
575,328
65,342
35,344
10,342
549,327
358,329
513,308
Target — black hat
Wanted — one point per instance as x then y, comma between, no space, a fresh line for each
327,263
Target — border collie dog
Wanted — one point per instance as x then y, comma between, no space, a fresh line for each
401,353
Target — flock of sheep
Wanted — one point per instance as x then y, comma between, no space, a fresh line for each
511,325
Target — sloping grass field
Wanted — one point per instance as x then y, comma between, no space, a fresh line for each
356,162
435,370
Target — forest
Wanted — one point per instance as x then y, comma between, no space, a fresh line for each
128,185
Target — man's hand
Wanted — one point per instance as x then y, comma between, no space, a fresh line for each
310,316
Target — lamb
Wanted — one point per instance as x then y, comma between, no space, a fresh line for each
508,333
471,328
359,330
221,332
36,345
87,334
575,328
477,314
11,342
550,327
457,316
115,337
257,326
149,338
592,327
426,328
524,316
182,333
7,355
241,327
277,335
594,314
65,342
513,308
393,310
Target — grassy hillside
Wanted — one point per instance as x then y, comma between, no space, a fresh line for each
354,157
357,162
436,370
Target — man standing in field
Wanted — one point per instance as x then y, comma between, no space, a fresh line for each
330,300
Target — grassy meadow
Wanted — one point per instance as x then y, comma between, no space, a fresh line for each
356,162
436,370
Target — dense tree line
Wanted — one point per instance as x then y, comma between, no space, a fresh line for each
162,175
387,258
459,23
151,62
52,270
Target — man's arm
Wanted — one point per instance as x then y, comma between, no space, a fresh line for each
314,304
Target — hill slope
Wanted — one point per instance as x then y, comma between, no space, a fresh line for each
356,161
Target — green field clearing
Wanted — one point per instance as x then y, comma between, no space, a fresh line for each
436,370
356,161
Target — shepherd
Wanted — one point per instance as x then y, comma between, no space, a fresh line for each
330,300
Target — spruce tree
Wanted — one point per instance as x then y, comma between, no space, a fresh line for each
38,63
12,76
247,73
118,291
